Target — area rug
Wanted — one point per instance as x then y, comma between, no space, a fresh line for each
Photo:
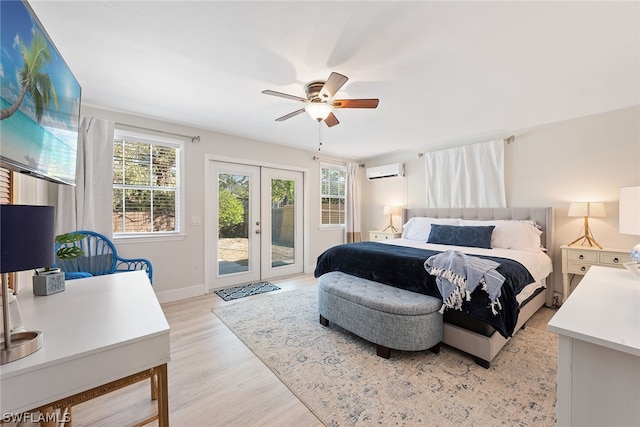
245,290
341,380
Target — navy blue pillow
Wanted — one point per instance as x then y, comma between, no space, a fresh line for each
472,236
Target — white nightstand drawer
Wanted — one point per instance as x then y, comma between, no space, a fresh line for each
578,260
613,258
584,256
578,268
383,235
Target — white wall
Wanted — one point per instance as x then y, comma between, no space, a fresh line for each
584,159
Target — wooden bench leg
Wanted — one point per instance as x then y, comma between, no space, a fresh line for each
323,321
383,351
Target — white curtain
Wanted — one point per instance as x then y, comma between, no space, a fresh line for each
470,176
352,231
88,205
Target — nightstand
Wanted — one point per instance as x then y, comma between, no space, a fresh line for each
383,235
578,259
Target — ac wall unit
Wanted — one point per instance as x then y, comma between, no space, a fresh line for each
385,171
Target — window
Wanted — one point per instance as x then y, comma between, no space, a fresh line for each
146,184
332,192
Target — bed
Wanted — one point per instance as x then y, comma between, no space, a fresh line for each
521,241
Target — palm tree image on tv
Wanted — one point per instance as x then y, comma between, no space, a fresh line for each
39,99
32,79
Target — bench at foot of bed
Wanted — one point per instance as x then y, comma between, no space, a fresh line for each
381,350
389,317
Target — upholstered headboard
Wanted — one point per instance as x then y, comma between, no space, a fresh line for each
542,216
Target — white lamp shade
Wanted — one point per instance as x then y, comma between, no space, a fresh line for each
591,209
392,210
578,209
630,210
596,210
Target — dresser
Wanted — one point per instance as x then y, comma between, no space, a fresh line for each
578,260
383,235
598,331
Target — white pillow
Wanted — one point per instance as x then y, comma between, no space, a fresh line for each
419,227
520,235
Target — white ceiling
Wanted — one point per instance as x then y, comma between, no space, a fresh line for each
445,72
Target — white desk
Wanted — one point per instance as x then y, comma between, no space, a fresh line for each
99,330
599,350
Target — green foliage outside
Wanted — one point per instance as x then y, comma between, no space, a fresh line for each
231,211
233,202
282,192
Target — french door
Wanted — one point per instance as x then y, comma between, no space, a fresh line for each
258,215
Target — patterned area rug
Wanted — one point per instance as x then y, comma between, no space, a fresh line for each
245,290
341,380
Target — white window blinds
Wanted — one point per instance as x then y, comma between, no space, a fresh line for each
146,196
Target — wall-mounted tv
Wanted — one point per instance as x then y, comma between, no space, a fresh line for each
40,99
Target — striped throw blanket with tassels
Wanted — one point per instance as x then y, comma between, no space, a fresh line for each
458,275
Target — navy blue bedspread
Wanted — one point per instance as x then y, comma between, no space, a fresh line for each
403,267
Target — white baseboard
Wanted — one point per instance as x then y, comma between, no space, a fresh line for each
179,294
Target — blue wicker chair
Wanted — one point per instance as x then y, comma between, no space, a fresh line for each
100,257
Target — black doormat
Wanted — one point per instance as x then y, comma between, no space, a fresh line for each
245,290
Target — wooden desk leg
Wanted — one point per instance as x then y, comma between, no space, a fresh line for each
163,396
154,385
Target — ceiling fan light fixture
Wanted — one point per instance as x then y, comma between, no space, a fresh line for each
318,110
320,100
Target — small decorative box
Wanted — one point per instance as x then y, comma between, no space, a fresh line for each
48,283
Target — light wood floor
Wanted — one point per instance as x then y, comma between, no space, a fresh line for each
214,380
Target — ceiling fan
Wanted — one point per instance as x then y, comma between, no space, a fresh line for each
320,102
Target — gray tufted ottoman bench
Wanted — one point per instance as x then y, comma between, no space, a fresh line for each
389,317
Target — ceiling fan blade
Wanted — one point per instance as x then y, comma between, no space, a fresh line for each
332,85
284,95
331,120
355,103
288,116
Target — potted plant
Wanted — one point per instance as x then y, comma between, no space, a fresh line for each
50,279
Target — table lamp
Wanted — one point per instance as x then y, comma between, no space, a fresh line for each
586,210
26,242
630,221
391,211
